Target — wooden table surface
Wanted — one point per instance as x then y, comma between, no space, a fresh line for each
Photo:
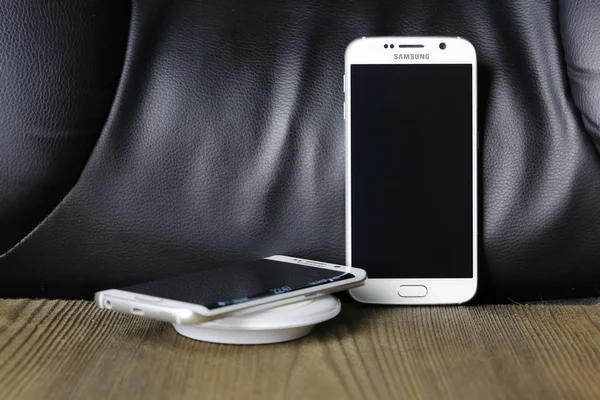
72,350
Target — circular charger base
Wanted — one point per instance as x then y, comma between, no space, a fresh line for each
274,325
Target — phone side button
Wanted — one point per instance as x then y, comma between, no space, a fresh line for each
149,299
344,110
412,291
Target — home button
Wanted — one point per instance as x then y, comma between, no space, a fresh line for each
412,291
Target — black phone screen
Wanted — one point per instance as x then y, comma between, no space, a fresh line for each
411,170
239,283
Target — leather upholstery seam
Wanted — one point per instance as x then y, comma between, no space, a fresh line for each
572,99
109,117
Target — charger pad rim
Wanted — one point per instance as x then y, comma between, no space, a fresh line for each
273,325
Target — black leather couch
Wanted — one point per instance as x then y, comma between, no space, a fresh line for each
146,139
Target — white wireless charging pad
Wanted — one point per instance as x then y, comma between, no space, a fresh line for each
274,325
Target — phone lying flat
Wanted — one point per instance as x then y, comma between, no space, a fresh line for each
411,168
243,287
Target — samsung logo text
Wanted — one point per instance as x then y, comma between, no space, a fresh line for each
411,56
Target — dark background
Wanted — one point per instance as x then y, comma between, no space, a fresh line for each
151,138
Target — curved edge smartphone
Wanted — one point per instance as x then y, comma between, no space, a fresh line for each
244,287
411,168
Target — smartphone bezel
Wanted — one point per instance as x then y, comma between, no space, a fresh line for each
187,313
372,51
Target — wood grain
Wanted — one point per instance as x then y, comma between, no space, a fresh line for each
71,350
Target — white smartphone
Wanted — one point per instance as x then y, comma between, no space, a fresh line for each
411,162
244,287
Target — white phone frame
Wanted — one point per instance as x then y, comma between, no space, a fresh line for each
371,51
187,313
